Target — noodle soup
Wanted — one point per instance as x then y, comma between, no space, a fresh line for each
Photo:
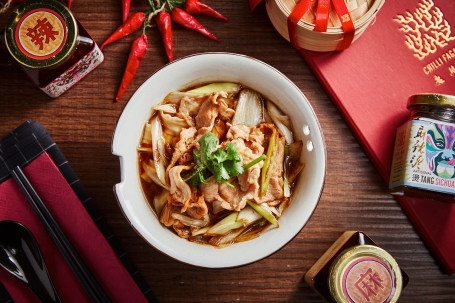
217,163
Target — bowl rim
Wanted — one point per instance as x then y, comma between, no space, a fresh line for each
319,128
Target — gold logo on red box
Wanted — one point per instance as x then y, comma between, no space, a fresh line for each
425,29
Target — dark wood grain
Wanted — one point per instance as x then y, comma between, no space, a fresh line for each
355,197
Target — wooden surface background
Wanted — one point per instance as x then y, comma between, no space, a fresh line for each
355,197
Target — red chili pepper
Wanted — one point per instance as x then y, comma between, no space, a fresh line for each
125,9
254,3
183,18
163,21
132,24
137,53
69,3
196,7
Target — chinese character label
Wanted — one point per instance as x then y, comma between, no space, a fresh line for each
368,280
41,34
427,159
43,29
369,283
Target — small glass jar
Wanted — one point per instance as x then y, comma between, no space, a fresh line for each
50,45
355,269
423,163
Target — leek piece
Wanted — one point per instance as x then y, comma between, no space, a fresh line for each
269,163
176,97
283,122
158,151
254,162
200,231
226,225
147,136
216,87
286,186
263,212
249,110
248,216
188,221
159,201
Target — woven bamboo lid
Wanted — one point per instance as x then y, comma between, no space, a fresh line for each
362,13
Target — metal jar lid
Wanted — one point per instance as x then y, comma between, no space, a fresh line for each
431,100
41,34
365,273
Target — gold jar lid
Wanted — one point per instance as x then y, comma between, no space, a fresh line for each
365,273
432,100
41,34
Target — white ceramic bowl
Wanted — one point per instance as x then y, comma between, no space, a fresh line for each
219,67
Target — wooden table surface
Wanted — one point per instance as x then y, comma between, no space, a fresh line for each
354,198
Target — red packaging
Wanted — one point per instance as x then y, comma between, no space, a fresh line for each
370,83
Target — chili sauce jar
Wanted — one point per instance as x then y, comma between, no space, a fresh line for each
423,163
50,45
354,269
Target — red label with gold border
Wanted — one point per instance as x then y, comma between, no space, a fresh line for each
41,34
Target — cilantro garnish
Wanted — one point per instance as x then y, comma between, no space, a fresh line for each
221,163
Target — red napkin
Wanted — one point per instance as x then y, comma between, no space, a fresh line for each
77,225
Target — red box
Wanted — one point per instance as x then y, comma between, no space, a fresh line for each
370,83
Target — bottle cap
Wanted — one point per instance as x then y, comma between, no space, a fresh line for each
365,273
432,100
41,34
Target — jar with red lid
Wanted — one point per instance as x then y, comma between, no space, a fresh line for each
50,45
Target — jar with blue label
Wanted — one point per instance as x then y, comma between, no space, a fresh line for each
423,163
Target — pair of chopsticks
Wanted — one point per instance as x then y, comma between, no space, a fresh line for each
77,265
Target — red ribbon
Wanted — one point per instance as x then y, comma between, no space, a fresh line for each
297,13
322,16
322,19
346,24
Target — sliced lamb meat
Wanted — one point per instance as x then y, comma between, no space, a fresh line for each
234,198
183,146
198,209
180,191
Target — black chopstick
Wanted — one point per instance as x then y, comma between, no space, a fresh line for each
77,265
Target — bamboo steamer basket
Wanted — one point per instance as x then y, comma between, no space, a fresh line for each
362,12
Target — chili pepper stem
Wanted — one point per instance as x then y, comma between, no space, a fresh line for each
5,6
171,7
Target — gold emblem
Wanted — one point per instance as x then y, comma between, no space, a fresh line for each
345,18
425,29
452,70
438,80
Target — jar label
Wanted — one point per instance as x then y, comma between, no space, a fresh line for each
41,33
368,279
424,156
75,73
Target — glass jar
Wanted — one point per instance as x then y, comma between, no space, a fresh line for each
50,45
423,163
355,269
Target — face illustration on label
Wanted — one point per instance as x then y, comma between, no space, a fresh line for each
440,150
